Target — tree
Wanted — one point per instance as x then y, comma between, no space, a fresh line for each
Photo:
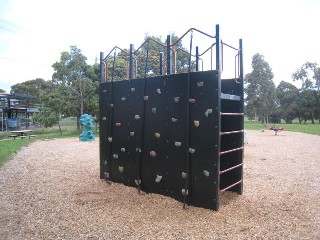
306,105
2,91
118,67
76,79
52,105
32,87
288,96
309,75
260,90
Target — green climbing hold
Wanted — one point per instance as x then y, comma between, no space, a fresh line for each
206,173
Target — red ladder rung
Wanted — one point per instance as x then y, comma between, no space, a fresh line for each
229,169
232,150
225,189
232,132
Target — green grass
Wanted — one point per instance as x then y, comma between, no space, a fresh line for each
10,147
294,127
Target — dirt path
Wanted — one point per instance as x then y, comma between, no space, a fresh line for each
51,190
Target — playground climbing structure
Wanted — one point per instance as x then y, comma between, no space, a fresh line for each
179,135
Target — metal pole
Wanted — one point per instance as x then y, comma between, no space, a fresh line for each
102,78
161,63
169,55
131,65
218,49
241,59
197,58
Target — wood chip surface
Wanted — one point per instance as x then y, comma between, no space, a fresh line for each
52,190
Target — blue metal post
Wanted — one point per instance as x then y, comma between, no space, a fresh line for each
161,63
218,49
102,78
241,59
131,65
169,55
197,58
218,109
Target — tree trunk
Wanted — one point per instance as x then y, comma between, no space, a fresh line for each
59,127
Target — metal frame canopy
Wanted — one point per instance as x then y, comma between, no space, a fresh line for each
8,98
175,134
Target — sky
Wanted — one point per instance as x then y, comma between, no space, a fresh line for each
33,33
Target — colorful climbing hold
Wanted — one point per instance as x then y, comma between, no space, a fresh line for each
153,154
157,135
207,112
158,178
137,182
196,123
184,191
137,117
191,150
200,84
174,119
206,173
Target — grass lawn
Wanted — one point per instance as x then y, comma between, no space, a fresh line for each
10,146
294,127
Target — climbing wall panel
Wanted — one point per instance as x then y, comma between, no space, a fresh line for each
163,134
204,139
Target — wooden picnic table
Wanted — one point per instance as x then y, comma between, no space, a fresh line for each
21,134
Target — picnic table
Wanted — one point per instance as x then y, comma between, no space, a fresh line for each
21,134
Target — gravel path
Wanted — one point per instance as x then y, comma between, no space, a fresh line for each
51,190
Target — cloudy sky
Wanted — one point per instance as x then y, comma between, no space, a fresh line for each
33,33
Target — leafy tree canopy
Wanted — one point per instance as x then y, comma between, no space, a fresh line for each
288,96
309,75
33,88
260,89
77,80
118,65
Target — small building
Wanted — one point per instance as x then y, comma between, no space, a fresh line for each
16,110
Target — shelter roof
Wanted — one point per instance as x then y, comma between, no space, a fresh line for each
18,96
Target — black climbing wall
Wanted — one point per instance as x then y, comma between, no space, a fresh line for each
154,134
